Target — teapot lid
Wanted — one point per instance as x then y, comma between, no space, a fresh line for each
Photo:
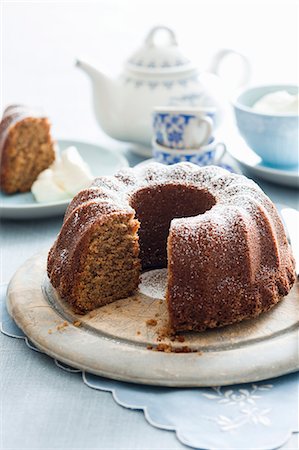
153,57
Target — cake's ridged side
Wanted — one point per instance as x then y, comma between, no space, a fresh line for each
277,259
242,264
217,269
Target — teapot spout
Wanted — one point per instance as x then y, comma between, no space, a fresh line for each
88,68
106,93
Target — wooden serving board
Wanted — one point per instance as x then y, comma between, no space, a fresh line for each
113,341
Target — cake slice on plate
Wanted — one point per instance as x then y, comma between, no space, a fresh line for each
26,148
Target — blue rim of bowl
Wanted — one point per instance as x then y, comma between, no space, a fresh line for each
238,105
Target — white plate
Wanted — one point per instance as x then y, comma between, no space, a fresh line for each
252,164
101,161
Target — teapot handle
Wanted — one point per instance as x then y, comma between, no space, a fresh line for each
222,54
150,39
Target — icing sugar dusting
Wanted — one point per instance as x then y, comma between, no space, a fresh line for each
153,283
119,189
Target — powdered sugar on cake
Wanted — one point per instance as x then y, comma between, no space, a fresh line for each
153,283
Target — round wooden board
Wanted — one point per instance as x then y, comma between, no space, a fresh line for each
112,341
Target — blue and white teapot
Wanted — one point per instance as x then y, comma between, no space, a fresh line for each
155,75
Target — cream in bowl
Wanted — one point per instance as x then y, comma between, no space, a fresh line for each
267,118
279,102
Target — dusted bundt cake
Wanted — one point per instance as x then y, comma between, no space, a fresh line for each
26,148
226,249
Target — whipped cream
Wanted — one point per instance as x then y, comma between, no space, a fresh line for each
68,175
279,102
45,190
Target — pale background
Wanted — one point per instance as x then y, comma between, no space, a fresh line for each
43,407
40,41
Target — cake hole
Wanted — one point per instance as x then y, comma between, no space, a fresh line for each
155,208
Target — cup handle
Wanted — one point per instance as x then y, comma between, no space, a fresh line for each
209,128
221,147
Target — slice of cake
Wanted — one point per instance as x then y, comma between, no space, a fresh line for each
26,148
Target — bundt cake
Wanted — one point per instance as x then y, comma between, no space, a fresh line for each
26,148
227,253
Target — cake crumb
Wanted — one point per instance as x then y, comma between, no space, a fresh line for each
184,349
166,348
49,331
151,322
165,333
138,332
92,314
77,323
62,326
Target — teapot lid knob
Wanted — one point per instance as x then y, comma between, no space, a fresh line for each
159,54
152,35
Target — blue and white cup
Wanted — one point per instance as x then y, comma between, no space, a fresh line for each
206,155
181,128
